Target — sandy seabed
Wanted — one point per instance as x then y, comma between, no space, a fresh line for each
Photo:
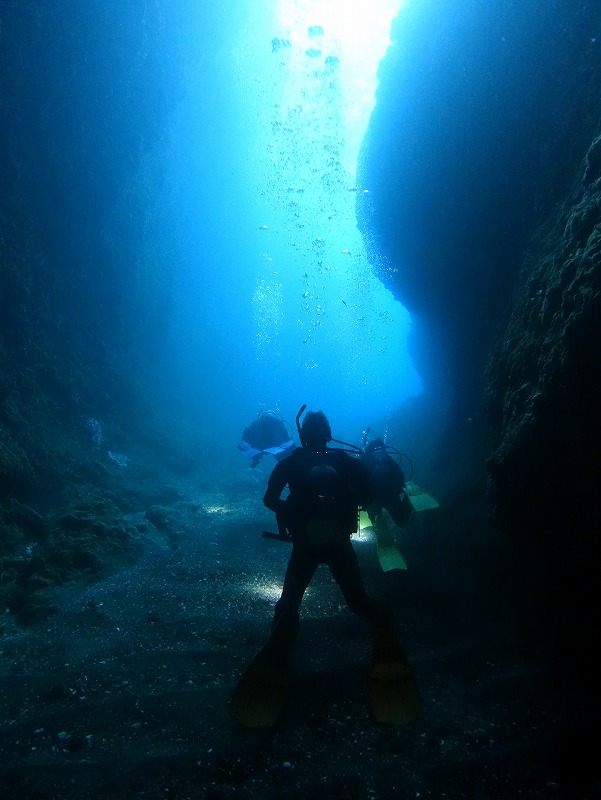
123,693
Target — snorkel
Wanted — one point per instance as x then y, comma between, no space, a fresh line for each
298,425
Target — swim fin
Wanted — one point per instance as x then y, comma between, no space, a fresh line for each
261,693
389,555
277,536
394,693
392,686
418,498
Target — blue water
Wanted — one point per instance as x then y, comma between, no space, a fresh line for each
274,301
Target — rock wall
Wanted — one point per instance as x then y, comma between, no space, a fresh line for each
87,94
84,104
543,395
484,111
483,216
543,379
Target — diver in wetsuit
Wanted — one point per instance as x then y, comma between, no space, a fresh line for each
387,482
268,433
326,487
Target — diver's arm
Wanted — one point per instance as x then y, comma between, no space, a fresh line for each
275,486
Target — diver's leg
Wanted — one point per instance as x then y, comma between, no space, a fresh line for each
262,689
374,511
344,567
300,570
392,688
400,509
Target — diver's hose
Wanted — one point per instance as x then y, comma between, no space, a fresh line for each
352,448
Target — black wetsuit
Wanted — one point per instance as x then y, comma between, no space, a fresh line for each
326,489
387,485
266,431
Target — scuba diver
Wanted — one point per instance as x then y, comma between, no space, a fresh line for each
326,487
268,433
387,482
388,487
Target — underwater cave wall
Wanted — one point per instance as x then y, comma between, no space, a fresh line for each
86,91
484,111
543,395
483,164
543,380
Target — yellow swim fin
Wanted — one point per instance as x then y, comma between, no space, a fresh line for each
392,685
418,498
261,692
389,555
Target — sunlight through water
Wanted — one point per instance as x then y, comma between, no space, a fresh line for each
343,335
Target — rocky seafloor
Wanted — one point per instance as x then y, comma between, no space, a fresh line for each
118,686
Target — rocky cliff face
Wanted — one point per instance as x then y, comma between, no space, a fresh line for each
84,100
543,395
483,164
485,112
543,379
84,105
